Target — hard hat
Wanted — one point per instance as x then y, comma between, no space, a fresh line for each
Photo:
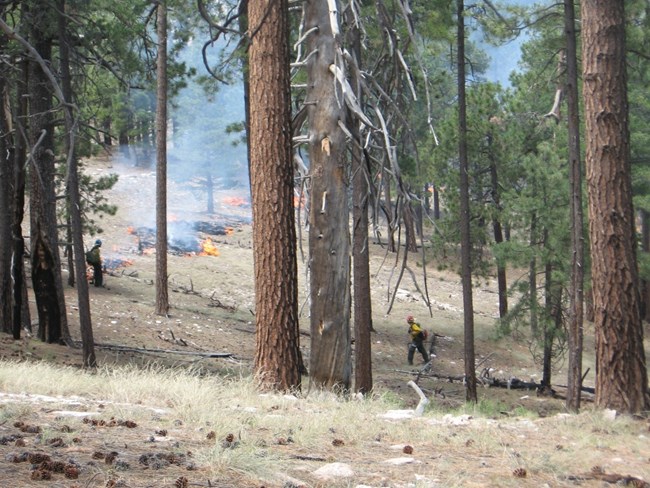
98,242
410,319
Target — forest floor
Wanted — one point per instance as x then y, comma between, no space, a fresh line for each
212,303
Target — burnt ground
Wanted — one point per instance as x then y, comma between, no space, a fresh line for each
212,306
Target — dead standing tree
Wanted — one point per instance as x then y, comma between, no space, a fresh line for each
334,117
329,240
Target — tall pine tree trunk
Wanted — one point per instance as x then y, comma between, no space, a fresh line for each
74,204
621,373
576,294
645,248
6,192
21,313
162,288
46,263
329,240
278,362
532,279
466,243
498,234
360,242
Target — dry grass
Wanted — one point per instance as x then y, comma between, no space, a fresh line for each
152,420
239,437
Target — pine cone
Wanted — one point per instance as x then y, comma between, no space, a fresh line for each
519,473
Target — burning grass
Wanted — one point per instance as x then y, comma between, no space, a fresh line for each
184,237
235,201
196,426
208,248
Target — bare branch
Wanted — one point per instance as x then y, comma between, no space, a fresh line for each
334,21
304,36
348,94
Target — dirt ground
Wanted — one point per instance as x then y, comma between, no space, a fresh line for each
212,306
212,297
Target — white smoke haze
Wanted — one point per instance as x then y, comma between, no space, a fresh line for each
200,154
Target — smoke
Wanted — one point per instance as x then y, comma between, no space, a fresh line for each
206,164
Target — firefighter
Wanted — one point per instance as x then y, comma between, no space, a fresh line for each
94,258
418,335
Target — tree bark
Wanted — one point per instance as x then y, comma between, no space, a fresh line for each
466,264
498,233
552,320
162,288
360,244
532,280
645,248
410,228
46,263
388,210
621,374
74,204
21,312
6,192
278,362
576,294
329,240
436,203
69,252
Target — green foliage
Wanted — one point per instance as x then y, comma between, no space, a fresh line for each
94,204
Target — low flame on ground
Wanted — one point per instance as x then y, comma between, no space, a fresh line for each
130,230
209,249
235,201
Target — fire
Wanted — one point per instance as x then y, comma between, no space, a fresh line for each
235,201
130,230
299,201
230,231
209,249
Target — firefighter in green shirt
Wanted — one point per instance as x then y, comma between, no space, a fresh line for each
417,340
94,258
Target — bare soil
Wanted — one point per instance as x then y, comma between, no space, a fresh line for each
212,307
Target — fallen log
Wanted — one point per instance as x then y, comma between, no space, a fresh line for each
486,380
597,473
117,347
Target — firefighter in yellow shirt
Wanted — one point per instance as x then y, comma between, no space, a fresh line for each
417,340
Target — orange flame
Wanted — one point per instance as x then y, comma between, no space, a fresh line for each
209,249
235,201
299,201
230,231
130,230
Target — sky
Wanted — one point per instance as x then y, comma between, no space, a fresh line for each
504,58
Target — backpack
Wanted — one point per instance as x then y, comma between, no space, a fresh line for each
92,256
425,334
